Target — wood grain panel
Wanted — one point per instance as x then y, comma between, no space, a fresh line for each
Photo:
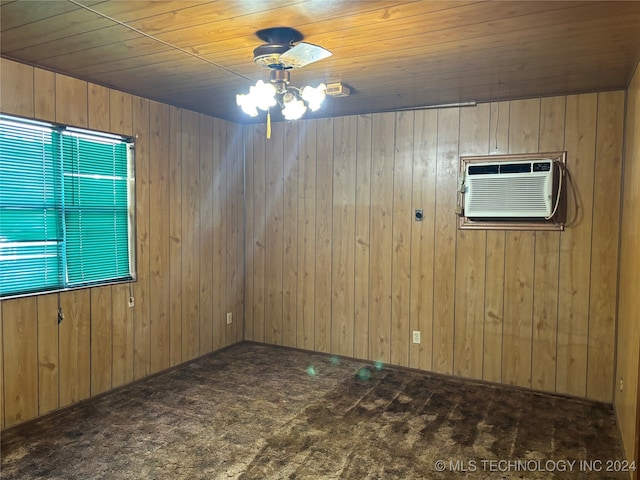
627,399
604,246
575,246
499,275
274,234
159,237
555,277
233,206
306,235
99,42
220,286
524,128
16,88
403,219
38,12
175,235
495,258
230,216
381,240
101,338
469,304
20,348
290,231
71,101
190,236
83,21
445,239
121,108
343,235
545,311
209,170
494,307
180,27
422,236
323,18
518,309
499,129
475,130
362,236
94,31
141,330
122,357
324,226
98,107
552,121
48,353
477,52
75,347
241,265
249,248
470,260
44,91
259,233
546,263
102,342
440,82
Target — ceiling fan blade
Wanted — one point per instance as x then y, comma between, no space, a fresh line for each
303,54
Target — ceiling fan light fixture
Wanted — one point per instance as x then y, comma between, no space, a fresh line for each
293,101
314,96
247,104
293,107
282,53
263,95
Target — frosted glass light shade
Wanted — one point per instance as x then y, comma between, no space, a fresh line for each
293,108
263,94
247,104
314,96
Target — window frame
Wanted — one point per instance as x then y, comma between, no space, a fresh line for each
64,283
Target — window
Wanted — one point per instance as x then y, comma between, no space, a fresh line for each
66,207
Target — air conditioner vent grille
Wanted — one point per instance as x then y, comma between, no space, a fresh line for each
527,194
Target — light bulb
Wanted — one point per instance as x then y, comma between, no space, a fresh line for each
246,103
263,94
314,96
288,98
293,109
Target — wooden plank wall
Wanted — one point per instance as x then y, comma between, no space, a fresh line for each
336,262
627,399
189,190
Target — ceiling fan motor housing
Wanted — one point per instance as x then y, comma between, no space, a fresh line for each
280,39
269,55
280,78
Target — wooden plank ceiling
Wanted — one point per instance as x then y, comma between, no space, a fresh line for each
393,54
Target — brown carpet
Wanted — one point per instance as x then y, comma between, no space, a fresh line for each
261,412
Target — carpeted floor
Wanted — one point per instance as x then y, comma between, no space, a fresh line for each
261,412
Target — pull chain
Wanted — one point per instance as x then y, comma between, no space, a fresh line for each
268,124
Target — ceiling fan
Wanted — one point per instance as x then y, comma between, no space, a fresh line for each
284,51
280,53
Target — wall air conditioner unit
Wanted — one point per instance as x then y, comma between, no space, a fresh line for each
518,189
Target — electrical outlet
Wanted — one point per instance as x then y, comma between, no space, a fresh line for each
621,385
131,302
229,318
416,336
